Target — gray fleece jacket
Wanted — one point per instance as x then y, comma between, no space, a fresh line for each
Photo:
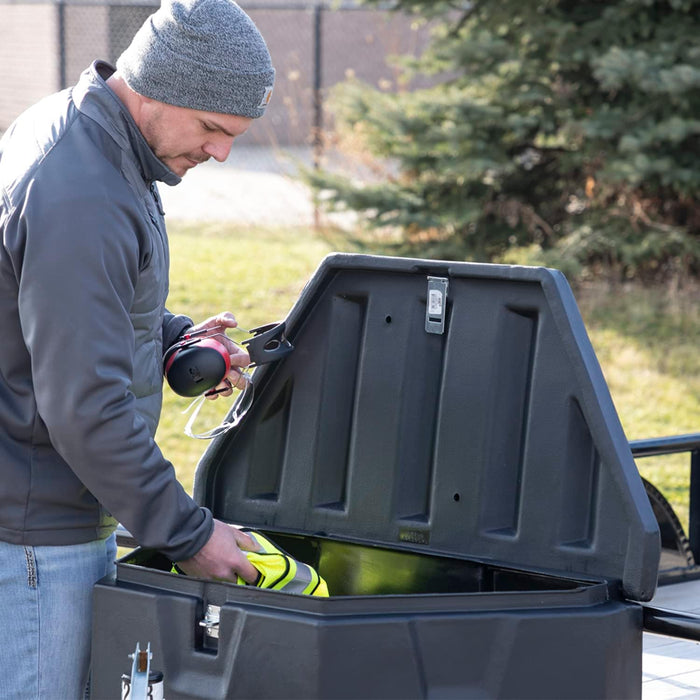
83,283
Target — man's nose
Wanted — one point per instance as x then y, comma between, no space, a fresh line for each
219,149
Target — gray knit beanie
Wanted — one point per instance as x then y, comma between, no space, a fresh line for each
201,54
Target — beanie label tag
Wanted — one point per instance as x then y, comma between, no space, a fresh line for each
266,97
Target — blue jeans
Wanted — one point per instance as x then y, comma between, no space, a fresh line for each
46,617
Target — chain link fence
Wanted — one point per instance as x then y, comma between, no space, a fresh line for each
44,46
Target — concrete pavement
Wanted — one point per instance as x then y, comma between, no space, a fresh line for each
256,185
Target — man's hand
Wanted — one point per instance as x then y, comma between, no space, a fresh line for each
221,557
239,357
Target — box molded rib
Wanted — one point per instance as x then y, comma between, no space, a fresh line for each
497,440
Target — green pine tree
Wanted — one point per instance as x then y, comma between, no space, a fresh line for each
558,132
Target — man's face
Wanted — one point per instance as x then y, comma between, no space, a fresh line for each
183,138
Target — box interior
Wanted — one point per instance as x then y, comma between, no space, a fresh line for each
356,569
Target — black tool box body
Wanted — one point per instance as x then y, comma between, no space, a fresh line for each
442,446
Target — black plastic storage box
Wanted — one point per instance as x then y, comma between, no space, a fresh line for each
442,446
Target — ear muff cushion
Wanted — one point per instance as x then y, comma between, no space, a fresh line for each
197,367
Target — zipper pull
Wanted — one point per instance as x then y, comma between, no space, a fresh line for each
156,197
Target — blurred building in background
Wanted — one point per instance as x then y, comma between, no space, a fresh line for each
44,46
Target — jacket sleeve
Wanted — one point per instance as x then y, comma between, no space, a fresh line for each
173,327
78,256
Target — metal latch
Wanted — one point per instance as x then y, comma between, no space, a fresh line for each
211,621
436,305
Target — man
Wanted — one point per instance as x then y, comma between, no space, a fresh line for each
83,284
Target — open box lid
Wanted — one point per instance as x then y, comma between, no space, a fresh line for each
457,408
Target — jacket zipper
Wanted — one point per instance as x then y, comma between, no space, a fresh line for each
156,197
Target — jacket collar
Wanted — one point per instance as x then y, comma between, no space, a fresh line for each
98,101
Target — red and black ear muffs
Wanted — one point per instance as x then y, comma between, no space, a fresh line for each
194,366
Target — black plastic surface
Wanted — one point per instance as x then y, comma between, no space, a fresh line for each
469,496
497,440
400,625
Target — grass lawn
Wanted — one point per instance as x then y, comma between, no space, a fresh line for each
647,340
255,273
